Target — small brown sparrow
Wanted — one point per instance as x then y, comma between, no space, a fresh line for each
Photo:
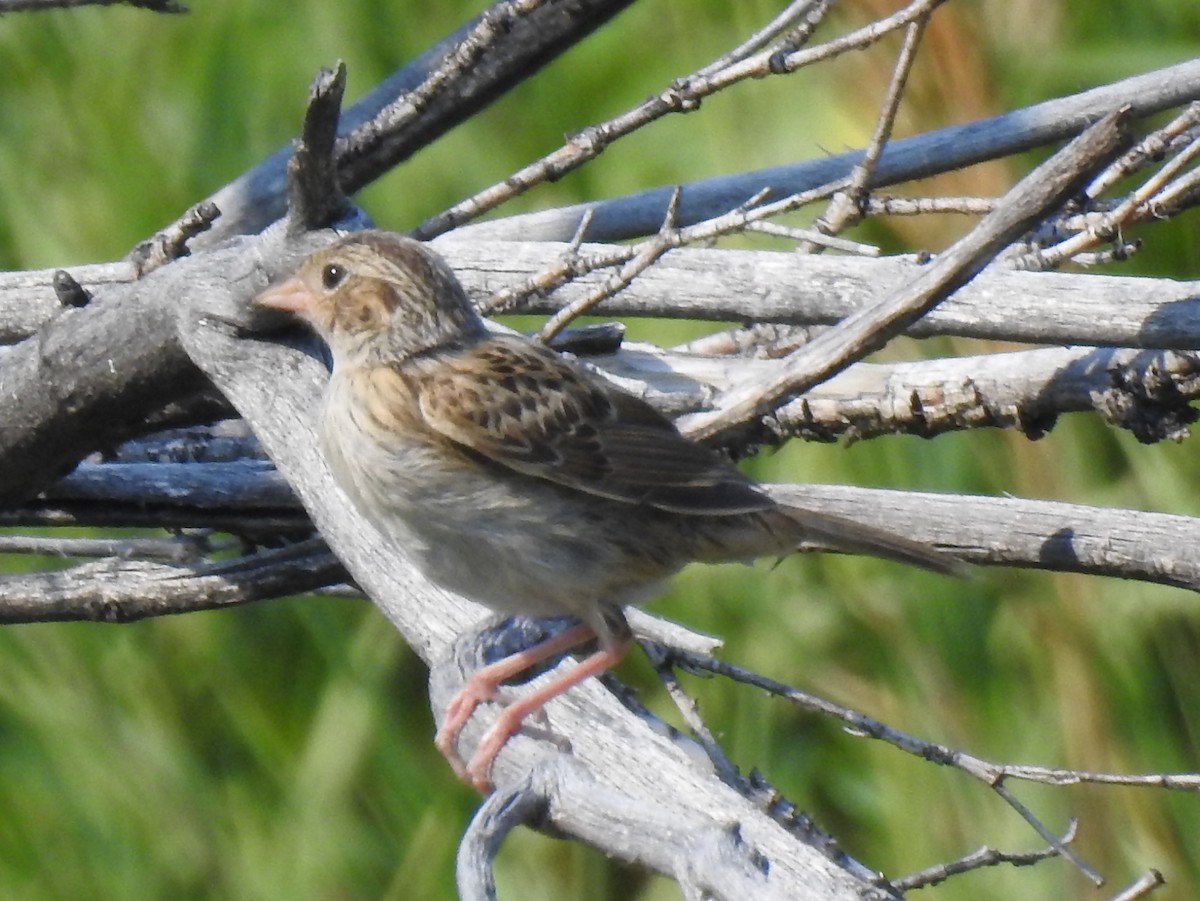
518,478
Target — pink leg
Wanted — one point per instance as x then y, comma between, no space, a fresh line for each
482,687
478,772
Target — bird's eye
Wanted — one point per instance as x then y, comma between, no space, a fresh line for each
332,276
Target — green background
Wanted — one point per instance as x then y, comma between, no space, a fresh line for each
284,750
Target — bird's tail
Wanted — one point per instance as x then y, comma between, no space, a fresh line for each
838,533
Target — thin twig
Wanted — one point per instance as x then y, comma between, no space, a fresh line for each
863,332
791,28
991,774
1151,147
649,253
663,661
1140,887
1108,225
815,238
906,159
863,726
682,95
763,340
977,860
846,207
1000,788
638,257
878,205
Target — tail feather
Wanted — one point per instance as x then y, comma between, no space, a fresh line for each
841,534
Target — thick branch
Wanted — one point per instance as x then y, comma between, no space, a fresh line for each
1039,192
89,377
315,198
158,6
118,591
1148,392
623,754
257,198
1131,544
771,286
1004,531
906,159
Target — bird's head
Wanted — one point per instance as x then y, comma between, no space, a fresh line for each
377,295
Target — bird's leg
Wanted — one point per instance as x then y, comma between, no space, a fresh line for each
483,685
478,771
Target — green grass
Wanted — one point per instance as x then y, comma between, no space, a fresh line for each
284,750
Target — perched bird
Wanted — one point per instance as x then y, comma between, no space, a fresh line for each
516,477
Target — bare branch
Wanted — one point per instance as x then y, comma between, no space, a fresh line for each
1154,547
846,206
88,378
1153,146
315,198
233,485
1040,191
761,286
497,816
1107,226
806,290
864,726
879,205
683,95
662,661
264,525
921,156
1039,534
1147,392
158,6
789,30
993,775
116,590
984,857
1140,887
539,33
183,548
171,243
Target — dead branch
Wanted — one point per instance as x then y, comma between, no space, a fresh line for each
374,139
1042,190
619,751
158,6
100,363
116,590
766,286
907,159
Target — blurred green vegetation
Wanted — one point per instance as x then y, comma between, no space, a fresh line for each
283,750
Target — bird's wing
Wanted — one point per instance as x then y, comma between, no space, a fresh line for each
524,407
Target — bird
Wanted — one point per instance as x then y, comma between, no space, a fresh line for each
516,477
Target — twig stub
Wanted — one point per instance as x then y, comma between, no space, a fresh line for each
315,198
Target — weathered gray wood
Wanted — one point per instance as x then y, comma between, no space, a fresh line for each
633,765
920,156
773,286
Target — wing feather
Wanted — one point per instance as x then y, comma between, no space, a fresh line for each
524,407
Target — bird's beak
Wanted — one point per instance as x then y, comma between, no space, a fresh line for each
291,296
